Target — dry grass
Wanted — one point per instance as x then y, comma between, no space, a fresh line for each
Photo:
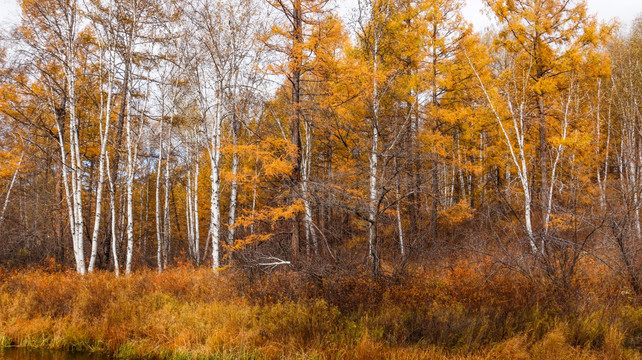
185,313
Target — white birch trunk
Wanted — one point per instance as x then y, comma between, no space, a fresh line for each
598,130
6,198
372,203
310,234
372,167
189,214
633,185
132,156
398,208
159,234
112,209
167,225
519,159
373,198
254,192
606,157
215,160
234,186
76,172
558,155
196,232
130,194
104,136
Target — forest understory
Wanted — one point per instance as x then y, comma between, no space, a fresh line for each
463,310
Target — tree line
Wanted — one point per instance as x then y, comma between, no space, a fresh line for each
265,134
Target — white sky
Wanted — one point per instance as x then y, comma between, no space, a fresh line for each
624,10
9,12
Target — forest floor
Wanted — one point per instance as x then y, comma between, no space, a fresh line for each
464,312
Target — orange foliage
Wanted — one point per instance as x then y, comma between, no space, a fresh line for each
468,310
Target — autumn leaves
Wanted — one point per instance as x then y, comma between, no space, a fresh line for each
208,132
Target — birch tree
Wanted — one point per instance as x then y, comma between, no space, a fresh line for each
51,31
107,79
388,112
224,35
290,39
374,16
543,48
625,102
9,189
243,94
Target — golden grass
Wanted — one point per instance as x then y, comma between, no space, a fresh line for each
192,314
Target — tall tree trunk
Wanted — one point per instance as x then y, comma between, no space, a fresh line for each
516,150
115,163
112,209
310,233
104,136
189,218
234,185
295,121
130,195
59,197
196,232
543,160
373,206
159,231
6,197
191,209
373,252
436,195
402,246
167,224
215,162
72,177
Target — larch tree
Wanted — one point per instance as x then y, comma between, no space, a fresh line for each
290,38
538,41
389,97
444,30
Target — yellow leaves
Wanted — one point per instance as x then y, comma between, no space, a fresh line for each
555,33
87,36
456,214
268,215
300,45
562,222
276,155
253,239
436,142
284,212
278,167
271,215
591,35
9,164
576,140
544,86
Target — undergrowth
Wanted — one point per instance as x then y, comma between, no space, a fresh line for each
185,313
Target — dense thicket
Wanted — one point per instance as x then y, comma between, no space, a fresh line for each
141,133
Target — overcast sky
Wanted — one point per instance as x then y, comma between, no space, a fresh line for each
624,10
